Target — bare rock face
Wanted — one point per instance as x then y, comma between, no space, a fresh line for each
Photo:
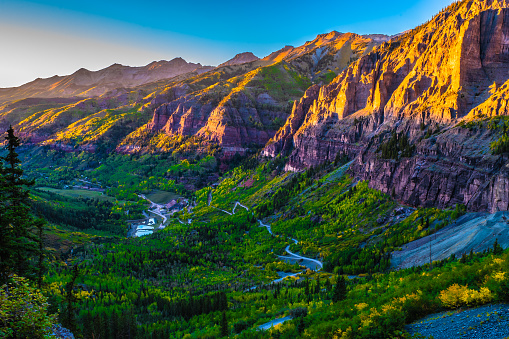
242,112
283,140
439,71
455,66
227,124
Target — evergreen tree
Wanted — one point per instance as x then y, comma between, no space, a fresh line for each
339,289
68,314
21,249
301,325
497,249
317,286
6,236
224,325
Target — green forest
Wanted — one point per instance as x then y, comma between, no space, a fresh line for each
66,259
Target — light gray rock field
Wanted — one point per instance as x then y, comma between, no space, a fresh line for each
473,231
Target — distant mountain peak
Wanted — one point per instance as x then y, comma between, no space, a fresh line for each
79,71
240,58
328,36
86,83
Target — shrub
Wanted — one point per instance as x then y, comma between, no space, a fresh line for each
460,295
503,293
23,311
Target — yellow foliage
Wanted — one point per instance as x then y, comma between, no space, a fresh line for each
361,306
84,295
388,307
460,295
499,276
339,334
413,296
498,261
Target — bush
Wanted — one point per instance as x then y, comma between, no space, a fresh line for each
503,293
460,295
23,311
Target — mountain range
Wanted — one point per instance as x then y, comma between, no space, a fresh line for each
438,84
351,187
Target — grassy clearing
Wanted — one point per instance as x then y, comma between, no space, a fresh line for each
161,197
77,193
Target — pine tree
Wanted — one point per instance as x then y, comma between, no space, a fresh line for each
317,286
497,249
339,289
6,236
224,325
301,325
21,249
68,314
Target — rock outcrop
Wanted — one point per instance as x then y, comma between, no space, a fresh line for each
236,121
237,105
283,138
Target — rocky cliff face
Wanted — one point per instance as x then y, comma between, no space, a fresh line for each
454,67
283,139
245,109
438,71
453,167
235,118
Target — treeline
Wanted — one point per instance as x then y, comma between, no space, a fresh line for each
161,278
104,323
192,306
121,321
81,213
356,261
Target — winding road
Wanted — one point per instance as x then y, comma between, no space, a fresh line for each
266,226
156,211
293,256
233,210
209,201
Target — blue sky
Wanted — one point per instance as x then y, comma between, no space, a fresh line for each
44,38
